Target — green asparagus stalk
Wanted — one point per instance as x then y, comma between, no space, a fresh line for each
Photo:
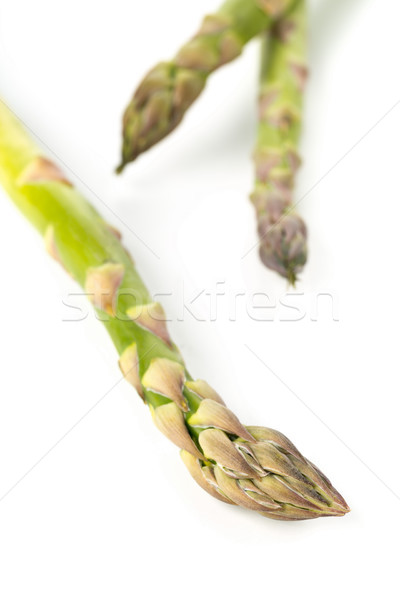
283,234
170,88
254,467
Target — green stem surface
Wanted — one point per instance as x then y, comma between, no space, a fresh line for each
83,239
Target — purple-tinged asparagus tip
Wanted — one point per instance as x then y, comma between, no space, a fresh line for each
283,245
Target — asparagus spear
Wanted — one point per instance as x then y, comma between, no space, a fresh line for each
169,89
254,467
283,234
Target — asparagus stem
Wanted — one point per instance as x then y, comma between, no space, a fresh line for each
254,467
169,89
283,235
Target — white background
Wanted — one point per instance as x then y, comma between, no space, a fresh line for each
107,510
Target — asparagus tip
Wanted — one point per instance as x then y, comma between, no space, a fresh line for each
291,277
120,168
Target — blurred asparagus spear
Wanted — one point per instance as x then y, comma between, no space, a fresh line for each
253,467
283,234
170,88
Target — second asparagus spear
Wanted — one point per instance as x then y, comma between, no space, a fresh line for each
283,234
169,89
